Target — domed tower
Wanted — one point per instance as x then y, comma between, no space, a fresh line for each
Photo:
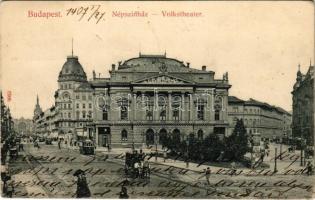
71,77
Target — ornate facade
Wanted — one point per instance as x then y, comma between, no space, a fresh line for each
270,121
150,96
144,99
303,106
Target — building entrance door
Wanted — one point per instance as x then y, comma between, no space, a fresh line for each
104,137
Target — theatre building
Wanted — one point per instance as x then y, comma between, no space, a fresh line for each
149,96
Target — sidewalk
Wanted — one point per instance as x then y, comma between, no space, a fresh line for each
281,165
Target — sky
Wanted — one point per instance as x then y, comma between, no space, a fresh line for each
259,43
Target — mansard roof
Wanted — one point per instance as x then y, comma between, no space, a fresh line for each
72,70
153,63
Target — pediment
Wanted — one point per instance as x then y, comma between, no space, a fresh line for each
162,79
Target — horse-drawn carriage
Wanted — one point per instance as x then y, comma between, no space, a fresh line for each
136,166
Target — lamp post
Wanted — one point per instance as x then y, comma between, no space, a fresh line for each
187,152
275,168
281,140
156,142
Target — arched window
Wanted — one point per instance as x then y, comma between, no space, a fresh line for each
162,136
149,137
176,136
124,135
200,135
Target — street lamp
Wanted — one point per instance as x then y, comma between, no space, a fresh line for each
187,152
156,143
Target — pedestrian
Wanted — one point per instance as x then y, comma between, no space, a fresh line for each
233,168
59,144
262,155
136,166
208,173
123,193
164,155
21,147
309,168
83,190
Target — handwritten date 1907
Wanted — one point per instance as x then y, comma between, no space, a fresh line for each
90,12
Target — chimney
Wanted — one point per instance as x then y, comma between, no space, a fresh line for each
204,68
113,67
188,64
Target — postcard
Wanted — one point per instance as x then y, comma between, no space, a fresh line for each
157,99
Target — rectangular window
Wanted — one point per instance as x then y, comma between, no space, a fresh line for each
83,105
149,112
201,112
105,115
77,97
217,115
69,115
124,113
83,114
162,113
175,115
83,97
78,106
90,97
90,105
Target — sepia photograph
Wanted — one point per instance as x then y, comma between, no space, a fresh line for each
157,100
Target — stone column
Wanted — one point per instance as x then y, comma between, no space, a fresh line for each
155,107
169,113
183,107
191,108
96,136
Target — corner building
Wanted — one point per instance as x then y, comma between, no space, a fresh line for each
303,106
147,97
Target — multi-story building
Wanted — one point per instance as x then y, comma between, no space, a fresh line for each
7,123
73,104
303,106
150,96
270,121
144,99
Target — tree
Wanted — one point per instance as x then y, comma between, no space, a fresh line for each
236,145
211,147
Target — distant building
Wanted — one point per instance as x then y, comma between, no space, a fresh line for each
303,106
270,121
23,126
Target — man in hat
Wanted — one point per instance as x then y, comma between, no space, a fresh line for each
83,190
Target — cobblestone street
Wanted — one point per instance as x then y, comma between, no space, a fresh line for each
48,172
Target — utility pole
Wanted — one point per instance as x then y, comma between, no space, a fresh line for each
275,168
156,151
